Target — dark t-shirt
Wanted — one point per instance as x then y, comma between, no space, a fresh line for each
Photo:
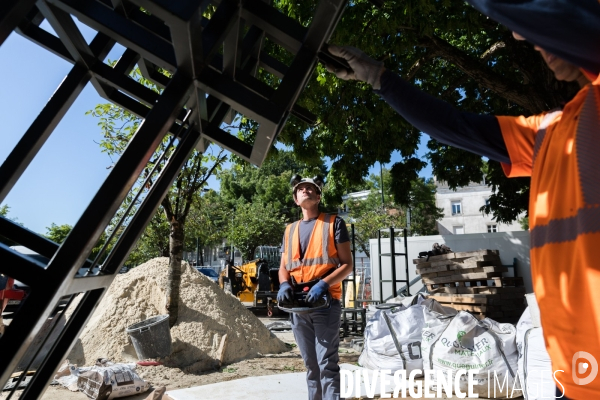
306,228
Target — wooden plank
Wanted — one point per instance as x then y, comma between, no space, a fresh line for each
442,263
465,277
427,270
446,273
457,298
469,261
494,289
441,257
476,253
502,291
468,307
480,298
421,262
474,264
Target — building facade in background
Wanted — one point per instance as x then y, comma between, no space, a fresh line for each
461,210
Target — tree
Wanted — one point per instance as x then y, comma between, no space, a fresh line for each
255,224
371,214
524,222
154,241
207,222
423,212
58,234
118,127
449,50
269,184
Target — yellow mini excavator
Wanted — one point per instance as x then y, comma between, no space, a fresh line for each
255,282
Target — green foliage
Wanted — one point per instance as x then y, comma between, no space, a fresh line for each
424,213
4,210
118,127
255,224
449,50
269,184
207,221
154,242
510,197
58,234
371,214
524,222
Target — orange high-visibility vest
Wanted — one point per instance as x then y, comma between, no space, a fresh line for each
561,153
319,257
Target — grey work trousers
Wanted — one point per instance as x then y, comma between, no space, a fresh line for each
317,334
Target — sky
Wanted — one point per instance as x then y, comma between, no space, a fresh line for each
68,170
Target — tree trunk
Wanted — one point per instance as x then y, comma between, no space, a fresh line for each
175,255
533,98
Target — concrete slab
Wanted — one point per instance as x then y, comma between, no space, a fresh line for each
270,387
276,387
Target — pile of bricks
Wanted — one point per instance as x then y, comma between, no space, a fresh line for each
472,281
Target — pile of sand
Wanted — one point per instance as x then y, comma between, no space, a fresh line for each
206,314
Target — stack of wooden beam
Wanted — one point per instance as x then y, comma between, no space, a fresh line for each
472,281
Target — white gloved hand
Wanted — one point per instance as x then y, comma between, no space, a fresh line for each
364,68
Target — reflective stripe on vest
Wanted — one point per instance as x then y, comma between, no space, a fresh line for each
323,259
587,142
541,133
588,148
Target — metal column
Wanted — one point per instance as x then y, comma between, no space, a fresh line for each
177,46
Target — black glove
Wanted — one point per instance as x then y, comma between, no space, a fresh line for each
285,292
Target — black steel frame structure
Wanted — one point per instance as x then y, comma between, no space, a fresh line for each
205,55
392,254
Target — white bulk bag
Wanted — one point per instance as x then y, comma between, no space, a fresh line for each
398,328
535,367
388,330
467,343
379,350
435,323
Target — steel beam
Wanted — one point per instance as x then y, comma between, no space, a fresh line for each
73,252
59,351
238,96
20,267
151,202
27,238
284,31
39,131
203,88
125,32
44,39
11,13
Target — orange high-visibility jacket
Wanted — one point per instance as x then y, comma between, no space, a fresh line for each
561,153
319,257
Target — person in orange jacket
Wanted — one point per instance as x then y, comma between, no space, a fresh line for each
560,151
316,248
